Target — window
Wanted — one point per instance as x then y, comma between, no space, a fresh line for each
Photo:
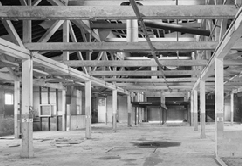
8,99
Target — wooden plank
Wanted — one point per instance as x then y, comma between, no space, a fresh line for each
114,108
138,63
124,46
146,73
229,39
117,12
88,96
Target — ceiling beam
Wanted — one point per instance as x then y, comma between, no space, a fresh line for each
160,80
145,73
117,12
127,46
157,87
13,50
229,39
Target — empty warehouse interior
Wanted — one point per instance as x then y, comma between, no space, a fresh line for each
120,82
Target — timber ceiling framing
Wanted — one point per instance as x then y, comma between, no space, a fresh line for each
76,41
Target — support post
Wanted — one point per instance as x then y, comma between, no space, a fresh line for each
219,102
66,38
114,105
88,99
195,110
232,108
63,110
192,109
202,108
17,109
27,105
129,108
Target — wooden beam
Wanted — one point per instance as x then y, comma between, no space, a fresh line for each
114,108
146,73
129,108
7,77
192,109
160,80
42,83
157,87
219,102
66,38
127,46
155,84
202,108
195,100
17,52
63,107
229,39
117,12
17,119
51,31
137,63
232,108
88,98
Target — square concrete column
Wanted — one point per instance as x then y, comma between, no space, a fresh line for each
195,110
192,109
202,108
219,102
232,108
129,108
63,105
88,99
17,120
114,106
27,109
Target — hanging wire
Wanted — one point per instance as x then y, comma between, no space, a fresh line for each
144,29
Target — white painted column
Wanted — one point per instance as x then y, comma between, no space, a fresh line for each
129,108
27,106
192,109
88,99
219,102
232,108
17,120
63,104
114,106
195,110
202,108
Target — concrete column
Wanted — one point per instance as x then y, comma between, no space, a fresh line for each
68,117
195,110
63,105
232,108
114,106
129,108
27,106
192,109
219,102
17,121
202,108
88,99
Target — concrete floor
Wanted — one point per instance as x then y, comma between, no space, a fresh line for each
143,145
